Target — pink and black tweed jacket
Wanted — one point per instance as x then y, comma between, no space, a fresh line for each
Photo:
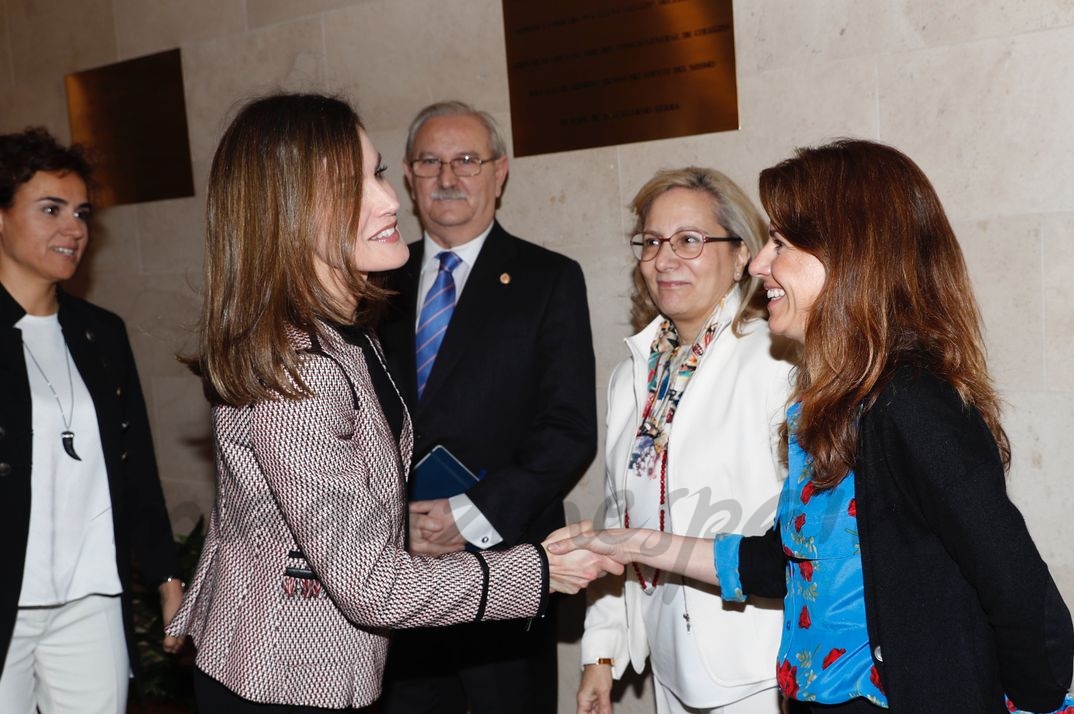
304,569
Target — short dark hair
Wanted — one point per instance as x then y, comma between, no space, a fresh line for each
25,153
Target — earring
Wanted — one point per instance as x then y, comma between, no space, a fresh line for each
738,275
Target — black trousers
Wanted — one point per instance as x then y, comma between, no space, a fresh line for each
483,668
212,697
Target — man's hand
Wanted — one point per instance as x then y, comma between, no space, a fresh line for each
432,528
574,570
595,690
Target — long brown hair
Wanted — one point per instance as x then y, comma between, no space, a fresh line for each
735,213
286,178
896,292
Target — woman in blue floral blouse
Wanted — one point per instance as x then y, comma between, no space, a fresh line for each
910,582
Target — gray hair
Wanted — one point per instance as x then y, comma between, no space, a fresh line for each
454,108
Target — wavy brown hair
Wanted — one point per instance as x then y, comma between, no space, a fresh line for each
734,212
896,292
286,178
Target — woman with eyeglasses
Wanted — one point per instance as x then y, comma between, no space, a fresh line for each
691,449
910,581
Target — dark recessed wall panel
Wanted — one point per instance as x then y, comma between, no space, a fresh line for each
132,116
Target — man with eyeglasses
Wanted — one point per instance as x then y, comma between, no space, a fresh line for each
490,344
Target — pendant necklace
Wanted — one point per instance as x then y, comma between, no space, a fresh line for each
67,436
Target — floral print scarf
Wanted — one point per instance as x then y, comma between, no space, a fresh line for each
671,365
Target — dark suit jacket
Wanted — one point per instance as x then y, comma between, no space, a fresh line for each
513,389
102,354
960,606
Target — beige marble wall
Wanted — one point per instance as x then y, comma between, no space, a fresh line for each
977,92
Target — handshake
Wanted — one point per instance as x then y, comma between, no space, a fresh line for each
578,555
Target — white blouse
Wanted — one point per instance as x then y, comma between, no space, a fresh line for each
70,551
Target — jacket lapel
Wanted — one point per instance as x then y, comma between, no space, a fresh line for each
88,358
472,311
348,356
15,404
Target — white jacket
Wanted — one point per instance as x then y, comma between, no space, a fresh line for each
724,475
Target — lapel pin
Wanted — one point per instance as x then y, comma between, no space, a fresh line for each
505,278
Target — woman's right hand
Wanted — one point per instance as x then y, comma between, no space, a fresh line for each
572,571
171,596
595,690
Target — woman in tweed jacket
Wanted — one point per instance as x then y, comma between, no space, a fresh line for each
304,569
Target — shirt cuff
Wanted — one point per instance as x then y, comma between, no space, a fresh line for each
725,555
472,524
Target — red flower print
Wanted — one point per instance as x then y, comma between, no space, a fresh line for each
806,566
807,491
874,677
799,521
1011,707
852,509
804,620
835,654
787,676
787,551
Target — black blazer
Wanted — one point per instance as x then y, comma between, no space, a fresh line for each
960,606
513,389
102,354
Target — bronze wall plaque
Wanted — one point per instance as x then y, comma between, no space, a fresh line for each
132,117
586,73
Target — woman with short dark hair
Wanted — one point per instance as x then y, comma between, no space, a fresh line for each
78,476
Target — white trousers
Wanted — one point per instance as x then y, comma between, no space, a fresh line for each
68,659
766,702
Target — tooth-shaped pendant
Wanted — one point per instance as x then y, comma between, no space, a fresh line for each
69,445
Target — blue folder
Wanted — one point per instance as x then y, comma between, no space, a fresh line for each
440,475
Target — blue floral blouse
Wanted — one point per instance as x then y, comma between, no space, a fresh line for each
824,655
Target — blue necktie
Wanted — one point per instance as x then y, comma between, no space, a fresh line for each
435,316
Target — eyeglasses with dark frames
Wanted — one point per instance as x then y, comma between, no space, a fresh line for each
685,244
463,166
